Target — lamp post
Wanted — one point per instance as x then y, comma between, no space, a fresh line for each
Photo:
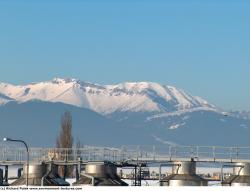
27,149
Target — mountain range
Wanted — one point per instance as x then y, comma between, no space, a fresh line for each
129,113
131,97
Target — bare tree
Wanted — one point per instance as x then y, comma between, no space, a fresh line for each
65,141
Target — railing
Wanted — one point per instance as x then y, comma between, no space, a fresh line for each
126,153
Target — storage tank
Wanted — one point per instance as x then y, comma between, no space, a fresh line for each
41,174
100,174
184,174
240,177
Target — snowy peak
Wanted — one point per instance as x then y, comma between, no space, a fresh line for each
165,96
129,96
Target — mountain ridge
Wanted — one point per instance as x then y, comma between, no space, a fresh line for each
124,116
107,99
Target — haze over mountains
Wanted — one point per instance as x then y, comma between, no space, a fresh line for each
126,113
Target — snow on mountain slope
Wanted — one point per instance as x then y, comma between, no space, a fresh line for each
134,96
4,99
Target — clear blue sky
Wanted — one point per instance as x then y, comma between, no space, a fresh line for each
202,46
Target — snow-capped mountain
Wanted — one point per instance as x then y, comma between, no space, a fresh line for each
106,99
148,113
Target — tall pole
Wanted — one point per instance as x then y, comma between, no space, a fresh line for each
27,161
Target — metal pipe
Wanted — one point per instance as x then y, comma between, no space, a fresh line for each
139,176
166,165
65,171
50,170
78,168
27,149
19,172
135,178
6,173
229,166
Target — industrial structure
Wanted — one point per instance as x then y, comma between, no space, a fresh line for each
240,177
100,174
97,166
41,174
184,174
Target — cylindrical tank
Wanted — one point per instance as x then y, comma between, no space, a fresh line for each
41,174
103,174
35,170
184,167
241,175
184,174
242,169
100,170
